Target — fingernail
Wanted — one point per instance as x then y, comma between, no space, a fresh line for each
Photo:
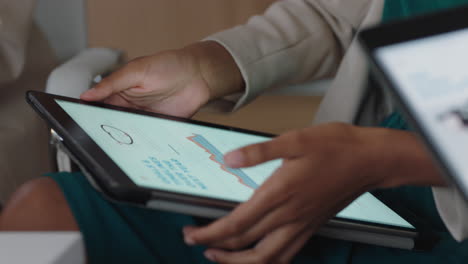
187,230
234,159
189,241
86,93
210,255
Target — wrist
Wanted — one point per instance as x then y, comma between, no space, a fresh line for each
395,158
217,67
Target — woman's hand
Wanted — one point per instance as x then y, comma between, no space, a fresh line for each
174,82
324,169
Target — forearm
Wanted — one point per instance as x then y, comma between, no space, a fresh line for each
292,42
399,158
404,160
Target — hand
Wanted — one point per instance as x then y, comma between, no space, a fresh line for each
324,169
174,82
320,175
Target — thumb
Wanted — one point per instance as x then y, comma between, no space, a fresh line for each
131,75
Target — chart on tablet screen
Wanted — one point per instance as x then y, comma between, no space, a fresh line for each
218,157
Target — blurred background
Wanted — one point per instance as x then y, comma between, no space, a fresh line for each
146,26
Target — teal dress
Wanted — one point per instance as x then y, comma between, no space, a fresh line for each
117,233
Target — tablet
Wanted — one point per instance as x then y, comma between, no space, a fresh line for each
176,164
423,62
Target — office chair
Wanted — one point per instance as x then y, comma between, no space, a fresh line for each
64,24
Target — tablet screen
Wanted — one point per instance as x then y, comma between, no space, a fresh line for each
431,77
188,158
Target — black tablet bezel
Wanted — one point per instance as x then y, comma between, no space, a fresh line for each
121,188
416,28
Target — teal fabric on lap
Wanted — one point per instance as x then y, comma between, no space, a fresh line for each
118,233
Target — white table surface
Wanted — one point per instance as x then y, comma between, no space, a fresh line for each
41,248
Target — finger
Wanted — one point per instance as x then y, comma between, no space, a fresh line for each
289,247
273,220
131,75
296,245
288,211
265,251
118,100
287,146
268,197
291,250
278,246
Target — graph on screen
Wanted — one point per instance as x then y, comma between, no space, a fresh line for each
217,156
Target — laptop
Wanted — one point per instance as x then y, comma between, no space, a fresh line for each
423,62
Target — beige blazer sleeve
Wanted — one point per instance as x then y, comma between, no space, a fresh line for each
294,41
15,26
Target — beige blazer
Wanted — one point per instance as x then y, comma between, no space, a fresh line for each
25,62
299,40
